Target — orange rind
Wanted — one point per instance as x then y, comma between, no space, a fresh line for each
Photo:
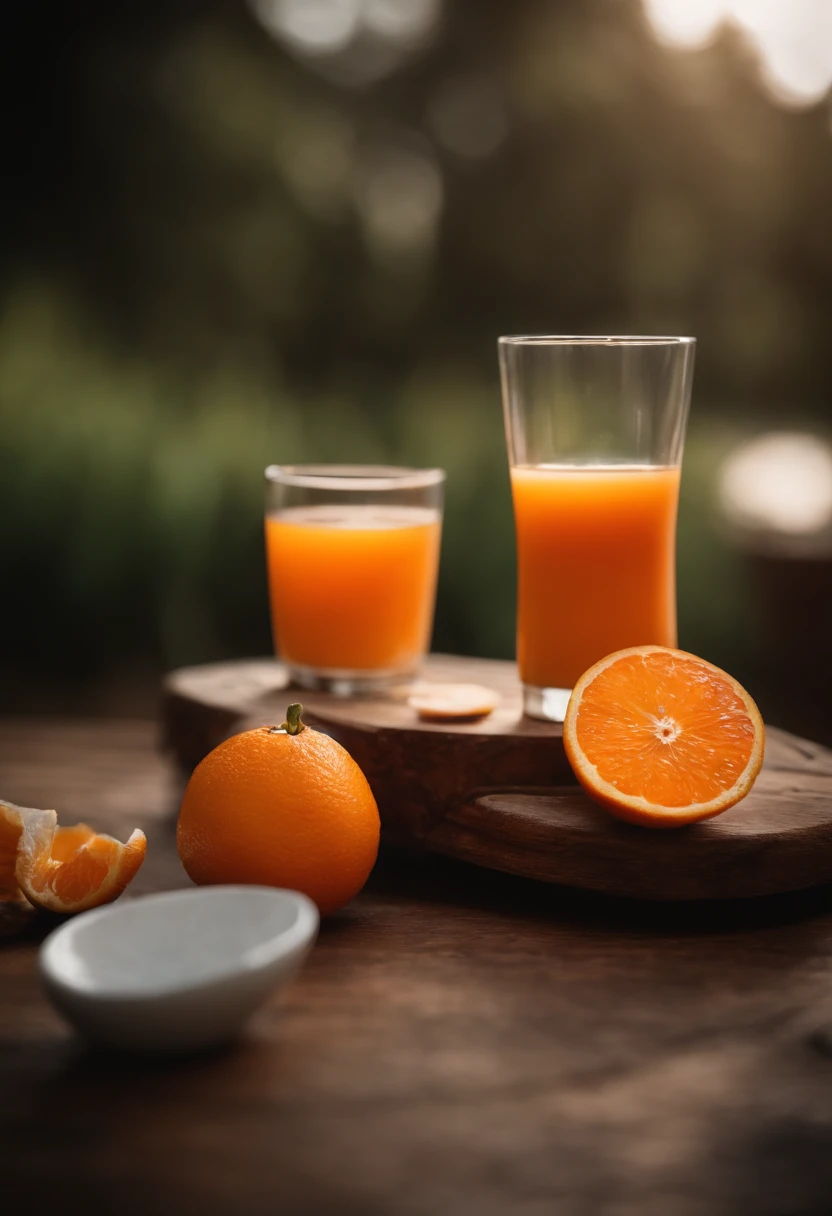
11,829
66,869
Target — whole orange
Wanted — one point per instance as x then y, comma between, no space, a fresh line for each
281,806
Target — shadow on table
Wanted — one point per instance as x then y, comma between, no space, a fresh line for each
407,875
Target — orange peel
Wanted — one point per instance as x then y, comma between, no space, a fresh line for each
62,869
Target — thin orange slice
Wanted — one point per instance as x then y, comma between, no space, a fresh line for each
62,869
661,737
449,702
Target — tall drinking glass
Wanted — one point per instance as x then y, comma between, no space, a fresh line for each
353,555
595,428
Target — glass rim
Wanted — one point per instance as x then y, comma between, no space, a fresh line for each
594,340
353,476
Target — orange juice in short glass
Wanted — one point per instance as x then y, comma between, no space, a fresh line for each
353,556
595,430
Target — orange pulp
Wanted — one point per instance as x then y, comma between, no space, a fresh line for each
596,555
352,587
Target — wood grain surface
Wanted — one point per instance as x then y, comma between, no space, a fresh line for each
461,1043
500,792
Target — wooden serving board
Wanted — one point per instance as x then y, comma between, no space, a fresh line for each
500,792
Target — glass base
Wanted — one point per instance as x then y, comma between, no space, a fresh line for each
546,703
350,683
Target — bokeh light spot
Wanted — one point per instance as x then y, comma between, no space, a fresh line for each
468,118
320,27
352,42
791,38
316,157
779,483
685,23
398,194
401,21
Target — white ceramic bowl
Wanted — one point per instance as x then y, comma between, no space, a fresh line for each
177,971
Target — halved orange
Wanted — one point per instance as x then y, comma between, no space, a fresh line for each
62,869
661,737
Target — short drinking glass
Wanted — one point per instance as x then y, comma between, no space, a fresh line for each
595,428
353,555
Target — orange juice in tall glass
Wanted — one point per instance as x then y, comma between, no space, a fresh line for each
595,429
589,530
352,556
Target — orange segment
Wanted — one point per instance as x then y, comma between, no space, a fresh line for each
15,823
661,737
62,869
74,868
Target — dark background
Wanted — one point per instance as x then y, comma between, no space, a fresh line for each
237,235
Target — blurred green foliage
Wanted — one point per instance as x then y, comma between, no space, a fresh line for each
217,255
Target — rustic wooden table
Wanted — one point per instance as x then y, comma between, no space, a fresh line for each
460,1042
